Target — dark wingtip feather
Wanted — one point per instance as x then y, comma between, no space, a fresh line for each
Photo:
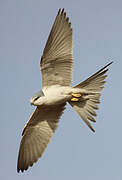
108,64
18,170
22,169
59,11
62,11
93,130
64,14
111,63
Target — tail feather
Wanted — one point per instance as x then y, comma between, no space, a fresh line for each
87,103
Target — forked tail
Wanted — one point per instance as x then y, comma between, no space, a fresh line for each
88,102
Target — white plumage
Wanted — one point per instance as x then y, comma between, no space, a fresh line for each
56,67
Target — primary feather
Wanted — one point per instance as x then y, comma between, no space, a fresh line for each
37,134
57,59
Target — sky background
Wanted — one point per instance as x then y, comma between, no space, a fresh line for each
74,152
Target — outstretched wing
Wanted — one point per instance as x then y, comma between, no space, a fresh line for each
57,59
87,104
36,135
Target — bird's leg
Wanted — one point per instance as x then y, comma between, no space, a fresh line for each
75,97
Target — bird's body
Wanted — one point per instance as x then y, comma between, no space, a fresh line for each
53,95
56,67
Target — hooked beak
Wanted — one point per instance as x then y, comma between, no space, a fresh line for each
31,101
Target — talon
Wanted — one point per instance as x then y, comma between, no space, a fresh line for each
76,95
75,99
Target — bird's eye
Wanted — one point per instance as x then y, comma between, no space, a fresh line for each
36,98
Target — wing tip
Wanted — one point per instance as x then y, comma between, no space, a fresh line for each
92,130
61,11
90,126
108,64
21,170
18,170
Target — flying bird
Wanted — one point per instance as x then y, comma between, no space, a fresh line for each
56,67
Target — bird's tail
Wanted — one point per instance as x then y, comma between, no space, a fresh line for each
90,98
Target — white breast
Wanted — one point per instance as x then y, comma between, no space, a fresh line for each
57,94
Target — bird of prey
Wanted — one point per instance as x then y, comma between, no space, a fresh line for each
56,68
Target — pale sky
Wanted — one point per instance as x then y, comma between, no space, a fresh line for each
74,152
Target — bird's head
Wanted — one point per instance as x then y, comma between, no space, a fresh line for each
37,99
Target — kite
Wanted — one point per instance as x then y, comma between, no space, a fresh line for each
56,67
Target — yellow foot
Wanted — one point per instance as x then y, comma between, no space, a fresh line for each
75,99
76,95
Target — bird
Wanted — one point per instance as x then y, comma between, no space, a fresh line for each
56,66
